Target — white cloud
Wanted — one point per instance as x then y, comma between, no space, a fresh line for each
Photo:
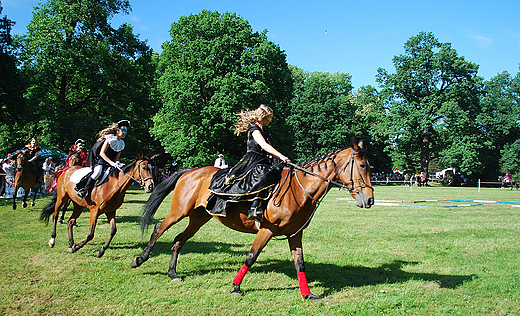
481,40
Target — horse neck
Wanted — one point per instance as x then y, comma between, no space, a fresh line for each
123,181
315,186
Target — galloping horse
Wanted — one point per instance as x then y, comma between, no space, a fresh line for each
104,199
505,183
25,178
287,214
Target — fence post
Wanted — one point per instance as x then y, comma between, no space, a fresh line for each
478,185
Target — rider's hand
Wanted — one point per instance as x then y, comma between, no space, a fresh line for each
284,159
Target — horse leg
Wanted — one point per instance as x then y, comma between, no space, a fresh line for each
36,191
57,207
92,228
62,218
295,244
262,238
196,220
14,196
171,219
113,230
26,193
76,212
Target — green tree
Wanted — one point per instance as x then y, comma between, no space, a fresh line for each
11,88
86,74
321,112
367,124
213,67
500,123
432,97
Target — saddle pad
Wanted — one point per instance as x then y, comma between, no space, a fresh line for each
80,173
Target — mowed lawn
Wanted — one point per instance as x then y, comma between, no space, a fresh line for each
422,259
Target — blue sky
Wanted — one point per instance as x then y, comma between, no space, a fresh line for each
355,37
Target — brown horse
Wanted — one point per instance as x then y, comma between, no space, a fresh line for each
27,178
104,199
287,213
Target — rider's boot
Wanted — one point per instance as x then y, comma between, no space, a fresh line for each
84,192
255,212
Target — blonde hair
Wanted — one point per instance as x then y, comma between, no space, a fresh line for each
112,129
251,116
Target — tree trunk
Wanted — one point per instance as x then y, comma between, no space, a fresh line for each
425,151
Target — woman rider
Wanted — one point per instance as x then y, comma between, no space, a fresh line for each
104,153
254,176
33,151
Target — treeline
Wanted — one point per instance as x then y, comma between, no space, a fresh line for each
72,74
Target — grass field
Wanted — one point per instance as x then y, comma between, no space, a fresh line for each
391,260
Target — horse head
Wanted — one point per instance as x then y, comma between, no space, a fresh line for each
354,173
144,170
21,160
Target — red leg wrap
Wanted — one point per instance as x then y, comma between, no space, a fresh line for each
304,287
240,275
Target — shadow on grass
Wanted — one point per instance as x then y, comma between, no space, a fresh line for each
333,278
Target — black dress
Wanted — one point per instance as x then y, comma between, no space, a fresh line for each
253,177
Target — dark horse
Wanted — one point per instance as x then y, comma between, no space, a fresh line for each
505,183
27,178
104,199
287,214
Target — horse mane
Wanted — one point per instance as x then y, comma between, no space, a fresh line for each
310,163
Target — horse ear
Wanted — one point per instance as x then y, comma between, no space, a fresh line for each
353,143
361,144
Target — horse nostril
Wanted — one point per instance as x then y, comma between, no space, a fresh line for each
371,201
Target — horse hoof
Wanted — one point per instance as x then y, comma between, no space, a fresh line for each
71,249
24,205
100,253
312,297
33,204
238,293
14,207
137,262
52,242
236,290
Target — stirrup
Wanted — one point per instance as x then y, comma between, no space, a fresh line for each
256,215
82,193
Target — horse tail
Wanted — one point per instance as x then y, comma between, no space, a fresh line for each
48,210
158,195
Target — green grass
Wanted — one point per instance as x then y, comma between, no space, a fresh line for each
390,260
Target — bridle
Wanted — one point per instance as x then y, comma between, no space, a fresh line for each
141,181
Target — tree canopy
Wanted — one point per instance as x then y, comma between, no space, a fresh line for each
432,103
214,66
84,74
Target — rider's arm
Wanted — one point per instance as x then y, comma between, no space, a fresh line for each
35,156
257,135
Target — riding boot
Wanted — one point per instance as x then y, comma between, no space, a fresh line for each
83,193
255,212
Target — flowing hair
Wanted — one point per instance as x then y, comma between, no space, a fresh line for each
112,129
251,116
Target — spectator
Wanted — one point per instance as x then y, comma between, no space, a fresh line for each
49,172
220,162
